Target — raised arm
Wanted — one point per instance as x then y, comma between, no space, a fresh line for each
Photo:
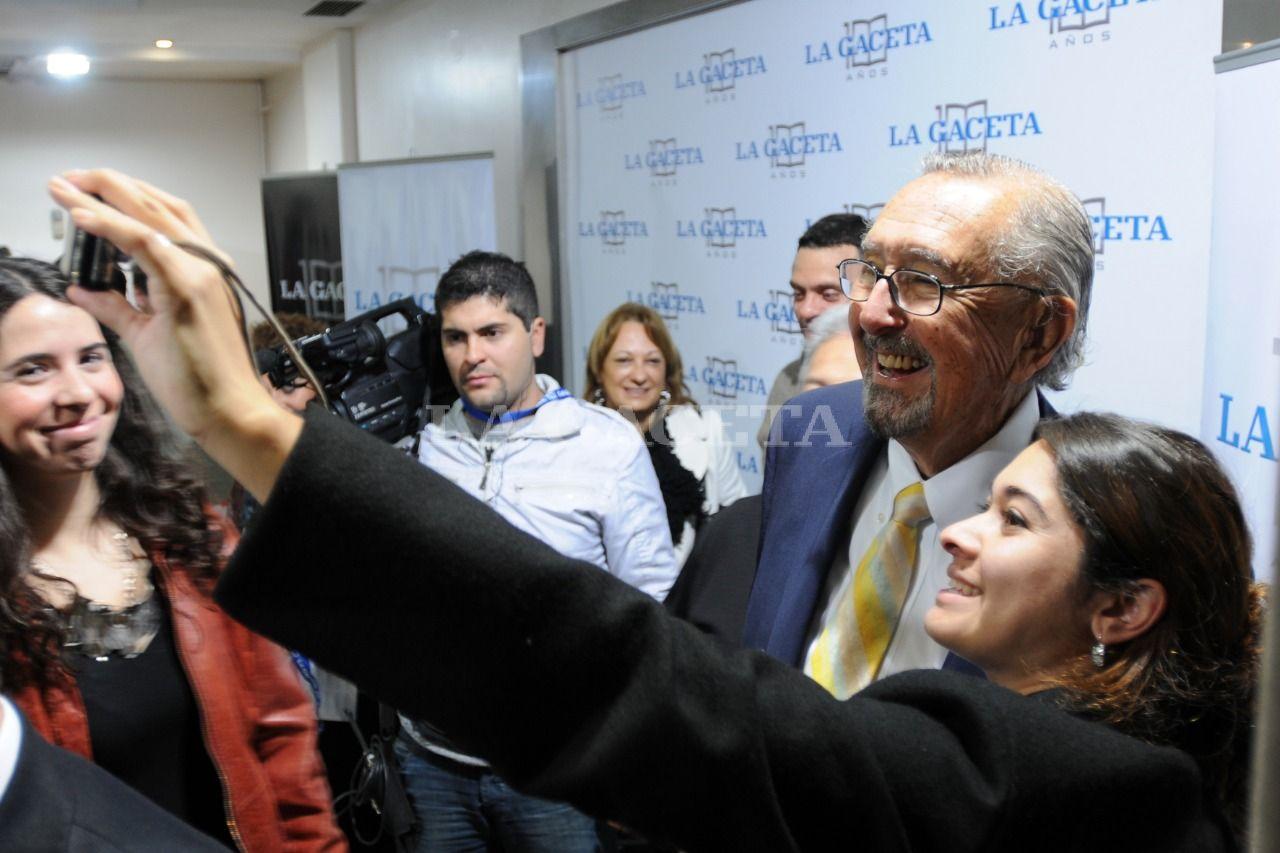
189,351
574,685
578,687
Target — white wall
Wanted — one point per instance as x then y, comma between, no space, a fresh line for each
328,85
310,110
201,141
443,77
285,113
430,78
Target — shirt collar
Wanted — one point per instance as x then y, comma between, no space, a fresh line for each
557,419
10,743
954,493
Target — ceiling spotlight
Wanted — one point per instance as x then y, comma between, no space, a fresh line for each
164,44
66,64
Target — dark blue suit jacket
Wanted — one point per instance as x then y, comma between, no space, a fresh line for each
57,802
820,454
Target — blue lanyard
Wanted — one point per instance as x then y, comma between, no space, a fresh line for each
304,669
508,417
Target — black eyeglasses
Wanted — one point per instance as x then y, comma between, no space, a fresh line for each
914,292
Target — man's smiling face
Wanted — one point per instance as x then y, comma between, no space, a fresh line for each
945,383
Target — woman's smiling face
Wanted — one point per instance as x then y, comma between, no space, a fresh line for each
60,394
1015,605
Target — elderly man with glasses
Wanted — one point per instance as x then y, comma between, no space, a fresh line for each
970,296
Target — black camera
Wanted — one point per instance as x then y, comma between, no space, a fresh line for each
93,263
376,382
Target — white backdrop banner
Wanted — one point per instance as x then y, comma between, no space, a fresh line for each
698,151
1242,369
404,222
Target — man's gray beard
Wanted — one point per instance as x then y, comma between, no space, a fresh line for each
890,415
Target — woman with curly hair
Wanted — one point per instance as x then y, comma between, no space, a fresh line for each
110,643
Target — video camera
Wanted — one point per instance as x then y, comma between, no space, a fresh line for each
380,384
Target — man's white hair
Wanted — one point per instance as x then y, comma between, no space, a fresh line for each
1048,242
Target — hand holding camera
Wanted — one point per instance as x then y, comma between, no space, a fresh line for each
190,350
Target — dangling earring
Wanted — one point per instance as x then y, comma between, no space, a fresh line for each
664,397
1098,654
598,397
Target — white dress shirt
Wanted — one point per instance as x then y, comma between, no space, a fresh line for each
10,743
951,495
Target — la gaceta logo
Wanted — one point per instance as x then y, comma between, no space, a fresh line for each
610,93
722,229
718,75
1071,23
965,128
665,298
664,160
788,148
318,286
614,230
1257,437
778,310
724,381
866,46
398,282
1111,227
869,212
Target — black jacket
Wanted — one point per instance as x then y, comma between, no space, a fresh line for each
577,687
715,582
57,801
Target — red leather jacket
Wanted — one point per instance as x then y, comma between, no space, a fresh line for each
258,720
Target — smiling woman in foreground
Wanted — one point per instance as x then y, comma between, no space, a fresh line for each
1106,588
110,643
1126,539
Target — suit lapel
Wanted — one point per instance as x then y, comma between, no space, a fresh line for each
808,519
35,813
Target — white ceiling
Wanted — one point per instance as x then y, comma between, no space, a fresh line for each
214,39
254,39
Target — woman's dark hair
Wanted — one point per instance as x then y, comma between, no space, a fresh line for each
607,334
1153,503
146,488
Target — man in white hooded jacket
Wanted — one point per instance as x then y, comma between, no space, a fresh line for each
575,475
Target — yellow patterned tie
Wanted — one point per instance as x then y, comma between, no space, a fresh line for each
848,654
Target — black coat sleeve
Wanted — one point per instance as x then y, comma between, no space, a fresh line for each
577,687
